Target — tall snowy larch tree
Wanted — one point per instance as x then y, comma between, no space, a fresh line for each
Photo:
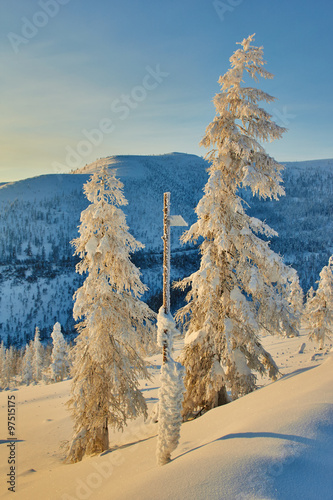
296,301
59,363
318,313
38,358
116,328
27,364
2,364
242,287
7,365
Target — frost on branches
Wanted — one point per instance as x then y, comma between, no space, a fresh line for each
59,363
242,287
115,328
37,360
171,391
27,364
296,301
318,314
7,365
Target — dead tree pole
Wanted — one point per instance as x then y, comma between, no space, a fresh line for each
166,268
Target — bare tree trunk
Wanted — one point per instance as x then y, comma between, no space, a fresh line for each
98,440
166,267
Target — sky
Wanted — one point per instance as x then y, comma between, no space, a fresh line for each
85,79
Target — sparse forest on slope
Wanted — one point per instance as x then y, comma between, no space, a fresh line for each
39,217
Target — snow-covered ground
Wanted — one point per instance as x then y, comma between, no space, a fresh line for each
276,443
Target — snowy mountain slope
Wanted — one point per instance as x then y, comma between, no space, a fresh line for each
127,166
275,443
50,205
38,188
39,217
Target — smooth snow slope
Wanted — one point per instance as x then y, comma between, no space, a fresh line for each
275,443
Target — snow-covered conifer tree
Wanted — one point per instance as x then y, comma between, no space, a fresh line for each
310,294
47,361
59,362
296,299
116,328
242,286
2,364
318,314
9,366
38,360
27,364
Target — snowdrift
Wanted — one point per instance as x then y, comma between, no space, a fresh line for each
275,443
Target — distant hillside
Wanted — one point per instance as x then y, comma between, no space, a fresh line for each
40,216
303,218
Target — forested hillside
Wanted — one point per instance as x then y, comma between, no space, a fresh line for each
303,218
40,216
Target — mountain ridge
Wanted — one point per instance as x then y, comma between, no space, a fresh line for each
39,217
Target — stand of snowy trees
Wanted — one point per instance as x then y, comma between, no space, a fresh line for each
36,362
318,312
